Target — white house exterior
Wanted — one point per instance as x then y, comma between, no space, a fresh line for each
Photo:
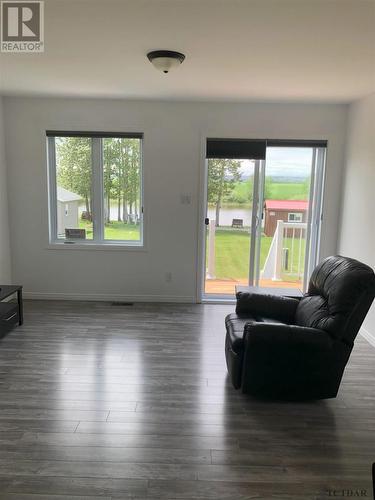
67,210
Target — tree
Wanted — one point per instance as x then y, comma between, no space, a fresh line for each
121,172
110,160
134,163
114,175
222,176
121,175
74,167
242,192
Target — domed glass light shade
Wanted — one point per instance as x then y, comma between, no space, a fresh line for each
165,60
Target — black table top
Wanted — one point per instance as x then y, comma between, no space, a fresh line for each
280,292
6,290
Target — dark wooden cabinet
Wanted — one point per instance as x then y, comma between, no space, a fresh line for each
9,316
11,313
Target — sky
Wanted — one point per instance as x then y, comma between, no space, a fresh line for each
283,162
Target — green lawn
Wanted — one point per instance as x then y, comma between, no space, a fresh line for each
114,230
232,253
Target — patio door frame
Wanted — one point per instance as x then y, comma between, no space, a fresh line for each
255,224
314,213
315,217
256,220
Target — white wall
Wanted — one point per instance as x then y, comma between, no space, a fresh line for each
357,234
5,266
174,135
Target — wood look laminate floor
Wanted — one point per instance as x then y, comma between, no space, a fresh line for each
108,402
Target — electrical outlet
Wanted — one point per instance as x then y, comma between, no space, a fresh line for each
185,199
168,277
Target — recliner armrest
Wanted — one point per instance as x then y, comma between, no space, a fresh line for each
290,361
278,337
271,306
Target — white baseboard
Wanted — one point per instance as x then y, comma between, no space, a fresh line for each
368,336
108,297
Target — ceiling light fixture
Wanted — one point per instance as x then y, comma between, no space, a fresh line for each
165,60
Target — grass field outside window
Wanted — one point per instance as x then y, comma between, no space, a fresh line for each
116,231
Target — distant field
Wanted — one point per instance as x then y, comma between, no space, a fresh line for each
287,191
242,191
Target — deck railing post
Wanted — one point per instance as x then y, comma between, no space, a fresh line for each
211,250
279,236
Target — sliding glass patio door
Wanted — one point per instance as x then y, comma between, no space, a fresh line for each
263,215
230,243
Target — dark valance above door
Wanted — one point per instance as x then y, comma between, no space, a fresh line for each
241,149
254,149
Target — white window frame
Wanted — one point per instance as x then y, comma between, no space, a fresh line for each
98,241
298,219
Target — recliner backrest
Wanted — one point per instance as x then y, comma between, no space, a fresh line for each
341,291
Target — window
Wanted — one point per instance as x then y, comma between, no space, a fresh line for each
294,217
95,186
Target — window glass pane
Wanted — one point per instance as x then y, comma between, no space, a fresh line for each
228,235
285,216
74,187
122,189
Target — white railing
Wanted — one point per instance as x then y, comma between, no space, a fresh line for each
282,259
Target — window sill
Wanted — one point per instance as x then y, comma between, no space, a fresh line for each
110,246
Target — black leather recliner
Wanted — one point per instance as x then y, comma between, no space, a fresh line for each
289,348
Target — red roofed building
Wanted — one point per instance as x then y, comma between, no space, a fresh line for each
285,210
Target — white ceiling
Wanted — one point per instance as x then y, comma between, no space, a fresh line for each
310,50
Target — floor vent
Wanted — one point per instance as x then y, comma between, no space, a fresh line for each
123,304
